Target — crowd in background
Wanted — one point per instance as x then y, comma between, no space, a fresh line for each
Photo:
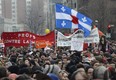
59,63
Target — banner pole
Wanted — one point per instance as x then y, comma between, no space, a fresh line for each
55,46
55,40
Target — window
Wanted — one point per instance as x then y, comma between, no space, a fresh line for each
13,2
75,5
13,16
13,7
0,7
13,11
13,20
28,6
0,12
15,29
28,12
29,2
113,11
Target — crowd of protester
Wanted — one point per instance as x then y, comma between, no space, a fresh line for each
59,64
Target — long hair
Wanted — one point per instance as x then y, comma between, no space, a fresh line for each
103,43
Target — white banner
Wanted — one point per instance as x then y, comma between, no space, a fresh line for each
93,38
77,42
62,40
77,39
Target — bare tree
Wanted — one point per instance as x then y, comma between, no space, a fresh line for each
35,17
94,9
34,20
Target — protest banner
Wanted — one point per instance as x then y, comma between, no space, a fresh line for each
93,38
62,40
19,39
77,41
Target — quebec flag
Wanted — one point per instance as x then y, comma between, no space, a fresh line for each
69,18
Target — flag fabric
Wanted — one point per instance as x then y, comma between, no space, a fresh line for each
69,18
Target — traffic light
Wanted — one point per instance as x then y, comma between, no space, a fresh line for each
109,29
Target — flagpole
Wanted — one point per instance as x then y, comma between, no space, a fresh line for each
55,40
55,30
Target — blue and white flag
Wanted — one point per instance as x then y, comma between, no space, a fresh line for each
69,18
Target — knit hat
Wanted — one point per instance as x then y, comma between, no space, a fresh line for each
53,76
51,69
101,73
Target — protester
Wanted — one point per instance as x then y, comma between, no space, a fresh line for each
60,64
101,72
63,75
89,72
3,72
12,76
